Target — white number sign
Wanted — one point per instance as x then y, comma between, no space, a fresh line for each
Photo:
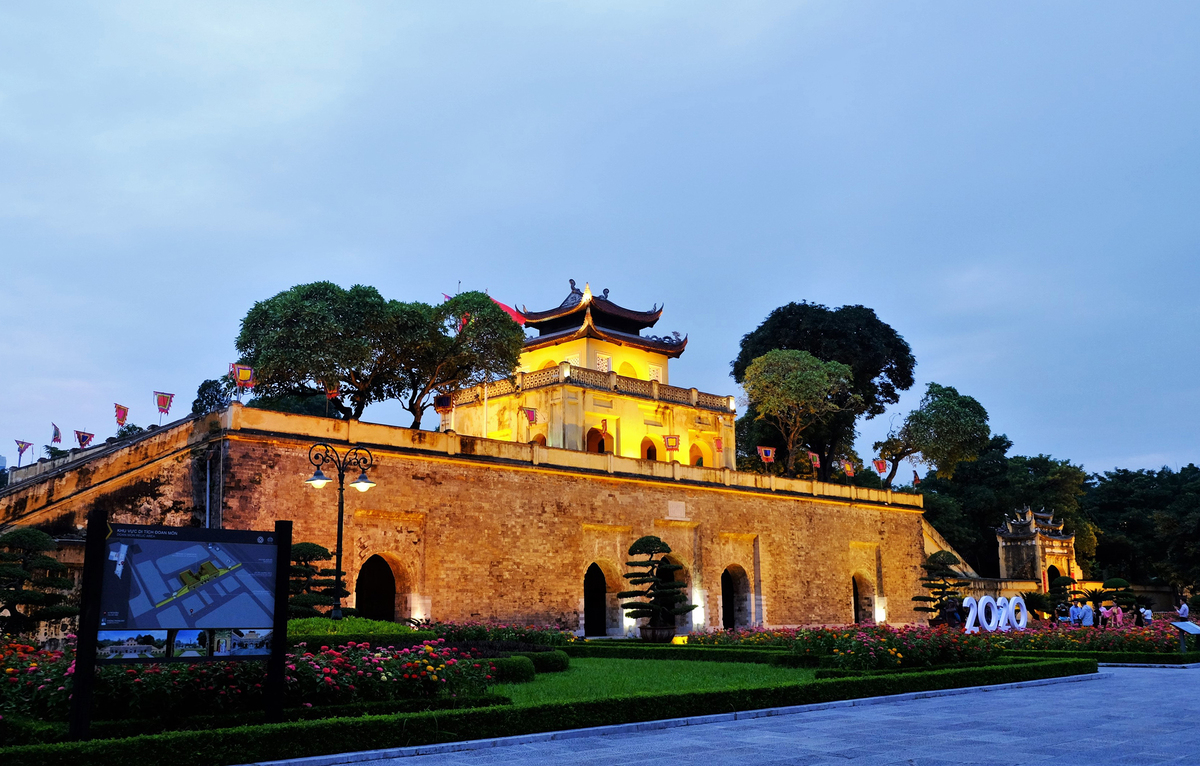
995,615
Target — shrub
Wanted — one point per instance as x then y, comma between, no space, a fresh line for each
486,631
514,670
555,661
356,626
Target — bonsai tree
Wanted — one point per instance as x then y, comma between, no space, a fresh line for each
30,581
1060,590
1038,602
662,598
1094,596
942,581
1117,591
312,590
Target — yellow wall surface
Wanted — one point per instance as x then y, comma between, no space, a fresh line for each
584,352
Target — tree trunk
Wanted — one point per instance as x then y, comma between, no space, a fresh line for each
887,483
417,411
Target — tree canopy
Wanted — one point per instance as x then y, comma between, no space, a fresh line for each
30,581
880,361
946,429
361,348
794,391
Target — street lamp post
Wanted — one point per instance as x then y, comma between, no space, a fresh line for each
356,458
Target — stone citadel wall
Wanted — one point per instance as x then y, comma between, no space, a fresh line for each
487,530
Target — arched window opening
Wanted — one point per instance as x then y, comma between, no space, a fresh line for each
1052,574
649,449
627,370
595,602
695,455
375,590
599,442
539,440
548,364
735,598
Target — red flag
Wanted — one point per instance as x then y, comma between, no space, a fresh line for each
719,443
163,401
815,458
84,438
916,479
671,443
332,390
56,438
880,466
242,375
517,316
767,454
21,447
848,468
122,413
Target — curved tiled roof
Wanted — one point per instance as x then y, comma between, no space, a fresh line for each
671,347
607,313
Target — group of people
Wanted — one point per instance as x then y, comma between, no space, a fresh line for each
1114,616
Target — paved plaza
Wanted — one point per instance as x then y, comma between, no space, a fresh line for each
1134,716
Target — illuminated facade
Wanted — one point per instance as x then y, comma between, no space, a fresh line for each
590,381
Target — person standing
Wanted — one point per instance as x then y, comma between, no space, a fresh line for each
1183,610
1117,615
1086,616
1139,617
1074,614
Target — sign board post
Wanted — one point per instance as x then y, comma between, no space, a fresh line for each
181,594
1185,629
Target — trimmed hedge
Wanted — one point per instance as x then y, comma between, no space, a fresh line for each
514,670
840,673
374,639
1132,658
20,731
554,661
247,744
638,651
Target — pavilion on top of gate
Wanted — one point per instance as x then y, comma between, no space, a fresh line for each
589,380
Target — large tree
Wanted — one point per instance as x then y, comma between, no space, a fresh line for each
319,337
462,342
361,348
946,429
968,507
880,360
30,581
794,391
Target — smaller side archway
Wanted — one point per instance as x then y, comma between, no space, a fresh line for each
863,598
627,370
539,439
735,598
375,590
599,441
649,449
548,364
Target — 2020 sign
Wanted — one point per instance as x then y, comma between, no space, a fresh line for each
995,614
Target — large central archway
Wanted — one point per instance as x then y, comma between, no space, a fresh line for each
375,590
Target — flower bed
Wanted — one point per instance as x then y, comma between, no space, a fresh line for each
1156,637
38,683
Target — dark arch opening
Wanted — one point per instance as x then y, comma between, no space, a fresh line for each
595,602
599,442
864,600
649,450
375,591
735,598
1052,574
539,440
854,595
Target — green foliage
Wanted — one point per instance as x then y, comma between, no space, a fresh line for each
946,429
30,581
129,430
555,661
970,505
794,391
517,669
1037,601
943,582
1117,591
313,590
347,626
1061,591
662,599
1149,524
245,744
627,650
319,336
880,361
54,453
1131,658
315,405
212,395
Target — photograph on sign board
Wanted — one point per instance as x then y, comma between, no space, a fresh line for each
131,644
248,642
187,578
190,643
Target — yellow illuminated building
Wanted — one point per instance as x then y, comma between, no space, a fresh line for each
591,381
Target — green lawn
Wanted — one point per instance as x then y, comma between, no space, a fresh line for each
593,678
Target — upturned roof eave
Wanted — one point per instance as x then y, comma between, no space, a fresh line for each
589,330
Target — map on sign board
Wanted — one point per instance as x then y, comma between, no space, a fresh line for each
185,578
